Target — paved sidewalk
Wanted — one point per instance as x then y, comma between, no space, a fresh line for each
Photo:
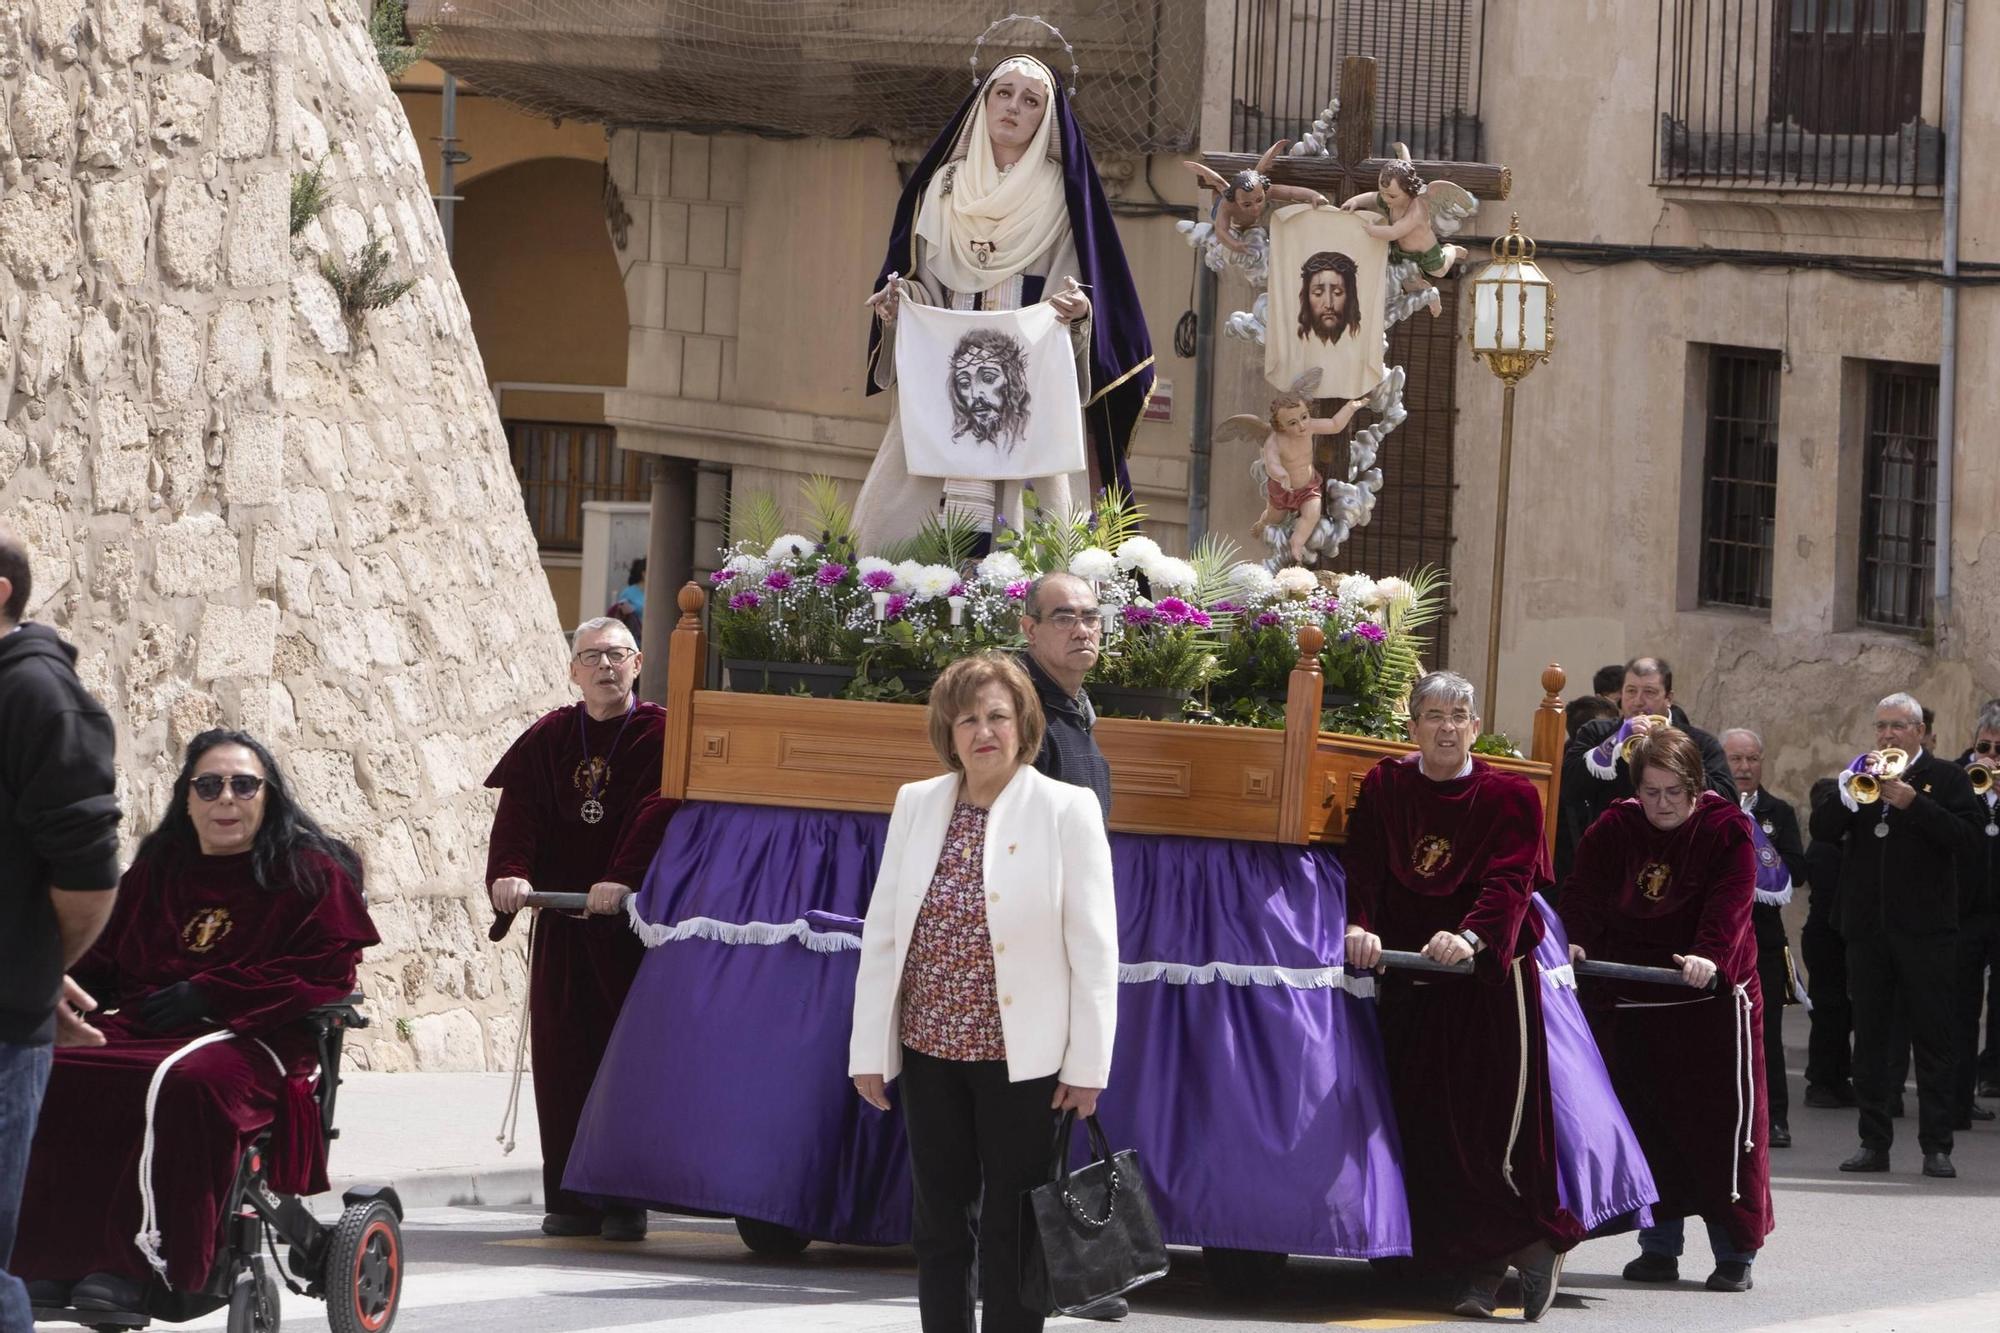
434,1137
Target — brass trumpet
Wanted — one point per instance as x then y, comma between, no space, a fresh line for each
1868,772
1982,778
1631,745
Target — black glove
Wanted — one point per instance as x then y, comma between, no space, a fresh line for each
174,1008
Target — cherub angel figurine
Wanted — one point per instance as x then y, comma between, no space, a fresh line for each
1418,214
1241,200
1292,484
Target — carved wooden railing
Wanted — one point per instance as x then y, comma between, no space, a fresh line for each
1292,786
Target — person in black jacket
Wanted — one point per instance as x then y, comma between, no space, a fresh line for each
1830,1045
1781,864
1978,922
1899,914
58,874
1593,773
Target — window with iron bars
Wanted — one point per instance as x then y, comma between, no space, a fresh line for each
563,464
1899,497
1739,477
1797,94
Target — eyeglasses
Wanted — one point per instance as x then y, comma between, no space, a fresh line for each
594,657
242,786
1986,747
1461,718
1067,618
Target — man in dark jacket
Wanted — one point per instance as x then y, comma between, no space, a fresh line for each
1899,863
1829,1048
58,872
1978,922
1781,865
1593,772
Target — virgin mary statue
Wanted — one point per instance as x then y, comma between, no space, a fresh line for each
1005,210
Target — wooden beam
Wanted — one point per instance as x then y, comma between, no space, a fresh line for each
1354,132
1551,738
1484,180
1302,704
687,653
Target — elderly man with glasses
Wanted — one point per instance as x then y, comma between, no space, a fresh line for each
580,811
1065,631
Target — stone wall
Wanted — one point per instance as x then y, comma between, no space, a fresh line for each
243,509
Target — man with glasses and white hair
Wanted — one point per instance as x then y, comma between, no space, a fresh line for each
1899,904
1444,854
580,811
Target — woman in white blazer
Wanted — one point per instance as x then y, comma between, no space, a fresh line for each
988,982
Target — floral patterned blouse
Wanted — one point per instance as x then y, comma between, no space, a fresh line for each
951,1003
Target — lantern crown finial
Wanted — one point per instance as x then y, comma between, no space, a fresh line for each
1515,247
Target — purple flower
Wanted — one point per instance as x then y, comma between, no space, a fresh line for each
1199,618
1017,591
879,580
957,590
1173,610
721,576
745,601
778,580
1370,631
1225,607
893,608
1139,615
1267,619
830,573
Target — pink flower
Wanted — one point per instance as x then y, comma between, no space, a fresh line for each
778,580
957,590
1173,611
721,576
1139,615
1018,590
1267,619
745,601
893,608
830,573
1199,618
1226,607
879,580
1370,631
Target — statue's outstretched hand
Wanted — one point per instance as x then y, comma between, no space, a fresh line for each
1069,302
885,302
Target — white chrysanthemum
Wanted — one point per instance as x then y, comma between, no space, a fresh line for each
1136,552
1000,567
1252,581
756,566
907,573
1355,589
932,581
791,546
1295,581
1170,573
1391,589
1094,563
872,564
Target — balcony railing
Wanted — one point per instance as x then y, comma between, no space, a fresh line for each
1828,95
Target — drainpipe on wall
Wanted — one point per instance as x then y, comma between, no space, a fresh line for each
1954,107
449,158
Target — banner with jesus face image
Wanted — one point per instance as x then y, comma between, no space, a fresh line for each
987,395
1327,299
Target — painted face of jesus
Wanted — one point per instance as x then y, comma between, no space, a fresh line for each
980,387
1327,297
1015,105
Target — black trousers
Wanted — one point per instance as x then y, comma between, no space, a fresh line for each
1917,971
977,1143
1829,1055
1978,949
1776,981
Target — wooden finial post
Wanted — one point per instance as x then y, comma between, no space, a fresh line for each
1551,738
686,652
1303,695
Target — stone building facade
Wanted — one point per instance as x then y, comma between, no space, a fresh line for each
246,510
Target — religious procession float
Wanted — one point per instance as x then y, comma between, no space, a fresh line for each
1242,703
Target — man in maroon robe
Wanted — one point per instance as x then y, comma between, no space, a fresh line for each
1443,855
580,812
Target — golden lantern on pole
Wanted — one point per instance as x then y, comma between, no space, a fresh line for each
1513,330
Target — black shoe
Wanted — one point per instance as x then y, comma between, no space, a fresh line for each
1989,1087
1649,1267
571,1224
1109,1309
1825,1098
1541,1273
1982,1113
48,1294
1729,1276
1896,1108
1867,1159
1481,1291
1781,1134
1938,1166
624,1224
108,1291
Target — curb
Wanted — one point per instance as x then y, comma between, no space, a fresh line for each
451,1187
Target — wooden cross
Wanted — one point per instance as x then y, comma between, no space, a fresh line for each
1351,171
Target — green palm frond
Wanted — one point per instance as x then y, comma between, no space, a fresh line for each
1213,557
754,517
946,538
1401,657
829,518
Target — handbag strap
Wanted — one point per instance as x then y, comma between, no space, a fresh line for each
1100,1150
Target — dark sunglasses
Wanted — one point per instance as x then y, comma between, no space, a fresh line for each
1986,747
242,786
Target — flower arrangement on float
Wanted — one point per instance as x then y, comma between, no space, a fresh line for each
1208,637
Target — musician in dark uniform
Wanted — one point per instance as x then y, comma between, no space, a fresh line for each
1902,843
1781,867
1979,918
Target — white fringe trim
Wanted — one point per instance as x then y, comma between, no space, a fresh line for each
1563,977
1606,766
1778,899
745,932
1245,974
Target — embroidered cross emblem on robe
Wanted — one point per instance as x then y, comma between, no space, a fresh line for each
206,929
1653,878
1431,854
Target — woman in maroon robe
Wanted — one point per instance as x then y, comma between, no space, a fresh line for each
238,917
1443,855
1666,878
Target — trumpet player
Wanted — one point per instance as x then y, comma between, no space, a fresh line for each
1903,828
1781,865
1595,772
1979,918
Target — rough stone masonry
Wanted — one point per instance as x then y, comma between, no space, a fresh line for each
243,510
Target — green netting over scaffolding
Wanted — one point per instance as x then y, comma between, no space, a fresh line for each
834,69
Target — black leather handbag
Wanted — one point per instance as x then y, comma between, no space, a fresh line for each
1088,1234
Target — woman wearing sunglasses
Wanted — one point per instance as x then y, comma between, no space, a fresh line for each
238,916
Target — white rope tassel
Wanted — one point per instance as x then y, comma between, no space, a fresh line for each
1520,1084
1746,1091
510,1119
148,1238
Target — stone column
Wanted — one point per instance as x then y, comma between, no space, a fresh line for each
669,564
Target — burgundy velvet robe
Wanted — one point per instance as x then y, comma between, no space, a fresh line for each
263,958
1465,854
1685,1069
580,966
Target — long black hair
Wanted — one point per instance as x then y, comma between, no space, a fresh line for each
281,856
